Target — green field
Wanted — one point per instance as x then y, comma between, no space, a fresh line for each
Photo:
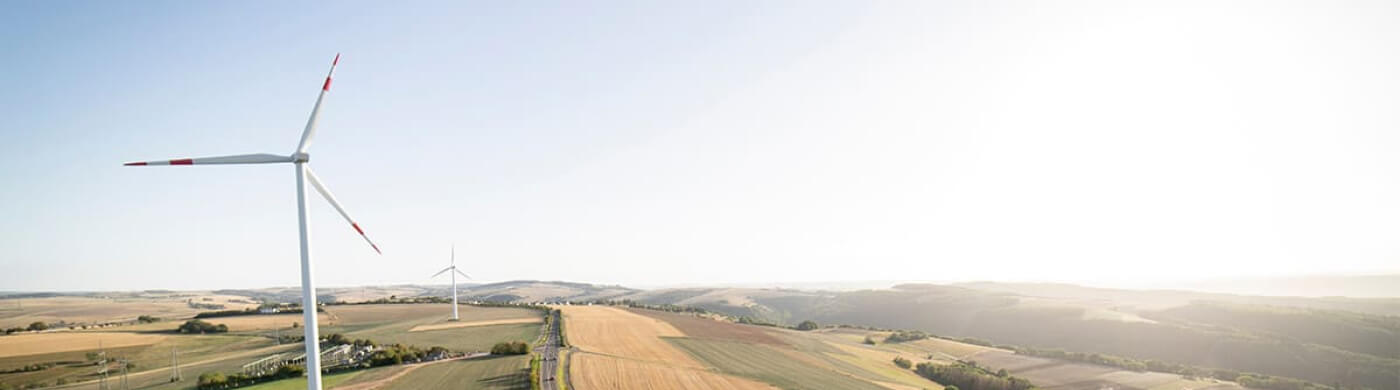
390,324
479,338
151,361
497,373
327,381
767,364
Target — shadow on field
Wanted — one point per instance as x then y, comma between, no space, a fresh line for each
508,381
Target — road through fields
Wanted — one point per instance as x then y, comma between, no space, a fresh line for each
549,353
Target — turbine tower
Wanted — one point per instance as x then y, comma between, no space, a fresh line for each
300,161
454,274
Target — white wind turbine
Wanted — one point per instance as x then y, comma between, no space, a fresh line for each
300,160
455,272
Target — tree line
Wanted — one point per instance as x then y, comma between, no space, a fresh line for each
510,348
201,327
218,380
969,376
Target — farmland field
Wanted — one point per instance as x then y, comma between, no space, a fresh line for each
468,324
1054,374
244,323
618,332
198,354
619,349
93,310
149,346
390,324
328,381
503,373
769,365
31,344
593,371
706,328
791,359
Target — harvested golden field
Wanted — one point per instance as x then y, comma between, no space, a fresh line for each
592,371
468,324
42,343
261,322
248,323
953,348
706,328
91,310
618,332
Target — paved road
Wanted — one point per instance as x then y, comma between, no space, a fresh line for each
549,354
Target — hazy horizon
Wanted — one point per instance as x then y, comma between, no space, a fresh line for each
1086,142
1308,286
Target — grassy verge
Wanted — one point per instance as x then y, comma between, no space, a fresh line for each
535,371
559,374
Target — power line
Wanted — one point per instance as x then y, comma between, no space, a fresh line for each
174,365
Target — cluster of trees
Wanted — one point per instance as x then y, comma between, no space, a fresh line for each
900,336
398,353
902,362
226,313
205,306
145,319
1108,360
510,348
969,376
219,380
340,339
35,326
394,299
755,321
28,368
284,308
200,326
1255,381
808,325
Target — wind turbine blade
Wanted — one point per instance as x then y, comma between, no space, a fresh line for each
440,272
310,131
315,182
459,272
260,158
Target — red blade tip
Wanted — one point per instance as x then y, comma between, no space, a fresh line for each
134,164
337,59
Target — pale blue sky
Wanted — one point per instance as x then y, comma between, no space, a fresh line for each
703,142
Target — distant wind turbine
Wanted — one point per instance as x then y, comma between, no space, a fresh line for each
454,274
299,159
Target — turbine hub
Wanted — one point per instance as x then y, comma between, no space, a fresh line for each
301,157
